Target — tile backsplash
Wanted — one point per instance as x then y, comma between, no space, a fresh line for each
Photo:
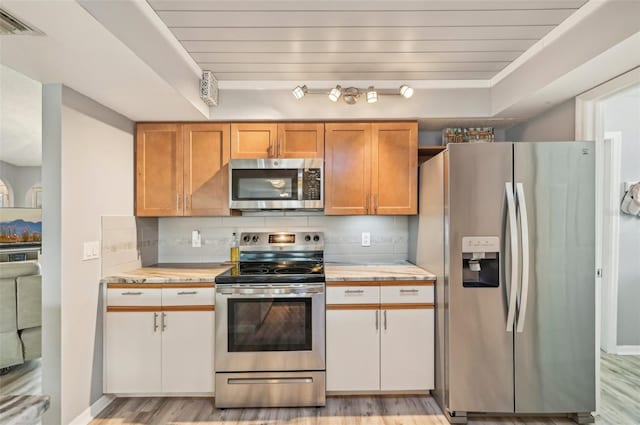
127,243
343,234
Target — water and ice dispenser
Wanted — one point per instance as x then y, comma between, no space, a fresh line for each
480,262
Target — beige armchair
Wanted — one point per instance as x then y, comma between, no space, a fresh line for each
20,312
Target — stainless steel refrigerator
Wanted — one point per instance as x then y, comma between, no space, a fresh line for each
509,230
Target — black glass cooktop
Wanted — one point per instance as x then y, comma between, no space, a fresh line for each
269,272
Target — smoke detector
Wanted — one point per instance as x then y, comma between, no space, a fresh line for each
11,25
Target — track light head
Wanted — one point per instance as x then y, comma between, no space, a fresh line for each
299,92
406,91
335,93
372,95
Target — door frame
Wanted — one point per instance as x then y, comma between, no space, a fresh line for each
588,126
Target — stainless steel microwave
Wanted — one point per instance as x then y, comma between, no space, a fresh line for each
264,184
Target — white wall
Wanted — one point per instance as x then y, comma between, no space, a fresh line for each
93,150
622,113
555,124
20,179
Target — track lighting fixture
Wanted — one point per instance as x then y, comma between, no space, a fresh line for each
350,95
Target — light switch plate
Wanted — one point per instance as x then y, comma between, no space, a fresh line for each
366,239
90,250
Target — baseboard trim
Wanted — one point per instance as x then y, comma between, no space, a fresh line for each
628,350
92,411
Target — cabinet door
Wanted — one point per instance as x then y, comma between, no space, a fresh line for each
347,184
132,347
394,182
353,350
254,140
407,349
187,351
159,170
206,169
301,140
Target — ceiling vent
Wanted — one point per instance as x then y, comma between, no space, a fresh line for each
10,25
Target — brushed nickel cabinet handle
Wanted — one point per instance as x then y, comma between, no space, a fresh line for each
155,322
178,201
132,293
187,292
164,321
385,320
354,291
375,202
409,291
377,313
366,202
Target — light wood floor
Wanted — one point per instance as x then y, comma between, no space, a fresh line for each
25,379
620,406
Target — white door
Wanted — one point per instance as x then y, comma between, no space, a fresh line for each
353,350
132,352
187,351
407,349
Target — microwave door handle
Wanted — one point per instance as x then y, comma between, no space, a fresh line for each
300,184
513,284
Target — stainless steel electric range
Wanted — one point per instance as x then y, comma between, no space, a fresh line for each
270,323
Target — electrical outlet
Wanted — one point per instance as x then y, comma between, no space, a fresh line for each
366,239
196,239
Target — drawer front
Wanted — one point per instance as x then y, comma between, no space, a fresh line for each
133,297
188,296
406,294
353,295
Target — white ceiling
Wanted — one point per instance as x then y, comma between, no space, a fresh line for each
123,55
310,40
20,119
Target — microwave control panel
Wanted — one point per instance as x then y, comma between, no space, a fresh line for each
311,187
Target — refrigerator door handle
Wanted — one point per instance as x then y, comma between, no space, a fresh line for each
513,286
524,229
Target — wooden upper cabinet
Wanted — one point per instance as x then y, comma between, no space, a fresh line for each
347,167
371,168
159,170
277,140
300,140
254,140
206,169
182,169
394,176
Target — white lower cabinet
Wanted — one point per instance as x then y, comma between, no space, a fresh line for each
380,338
187,352
353,350
159,344
407,350
133,352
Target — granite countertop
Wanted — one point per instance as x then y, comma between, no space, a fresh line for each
200,272
398,271
170,273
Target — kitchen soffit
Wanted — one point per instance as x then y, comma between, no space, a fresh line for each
359,40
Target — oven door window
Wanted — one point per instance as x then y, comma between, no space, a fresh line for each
264,185
273,324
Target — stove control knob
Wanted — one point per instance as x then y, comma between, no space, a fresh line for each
246,238
316,238
307,238
255,238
